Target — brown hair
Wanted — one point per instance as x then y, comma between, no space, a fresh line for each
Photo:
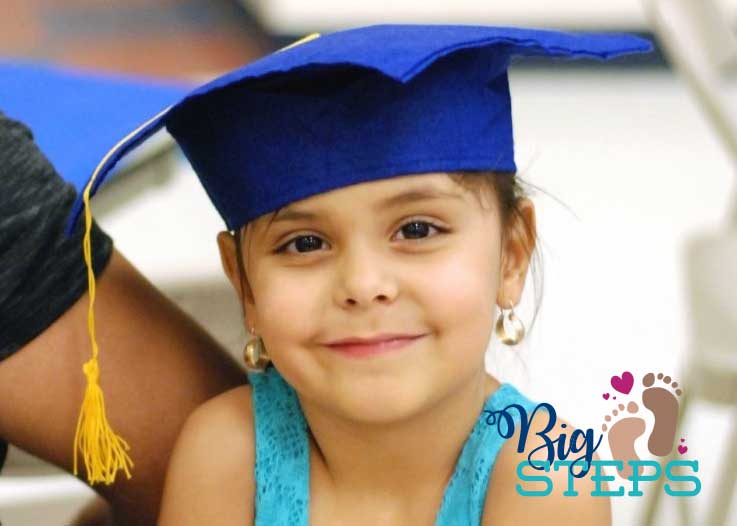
507,191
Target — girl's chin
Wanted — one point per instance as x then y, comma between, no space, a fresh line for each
375,415
371,407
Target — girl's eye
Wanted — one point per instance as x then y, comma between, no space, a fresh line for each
418,228
307,241
415,229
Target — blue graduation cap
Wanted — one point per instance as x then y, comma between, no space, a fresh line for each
354,106
77,115
330,111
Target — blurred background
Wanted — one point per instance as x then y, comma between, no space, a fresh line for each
630,165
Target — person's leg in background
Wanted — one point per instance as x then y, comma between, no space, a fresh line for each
156,366
95,513
156,363
3,452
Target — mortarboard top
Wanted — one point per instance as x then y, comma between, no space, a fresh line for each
356,105
330,111
77,114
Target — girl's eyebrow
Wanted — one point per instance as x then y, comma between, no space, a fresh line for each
422,193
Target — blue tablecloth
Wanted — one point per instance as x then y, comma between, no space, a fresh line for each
78,115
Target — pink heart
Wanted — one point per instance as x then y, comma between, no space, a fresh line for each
682,449
606,396
623,384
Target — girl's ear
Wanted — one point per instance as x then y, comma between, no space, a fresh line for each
228,257
226,245
517,253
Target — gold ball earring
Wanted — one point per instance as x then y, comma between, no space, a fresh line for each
255,355
518,327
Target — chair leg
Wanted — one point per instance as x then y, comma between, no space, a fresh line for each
726,483
684,510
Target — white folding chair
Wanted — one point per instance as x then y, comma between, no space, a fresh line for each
698,41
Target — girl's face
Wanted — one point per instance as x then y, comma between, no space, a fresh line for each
415,254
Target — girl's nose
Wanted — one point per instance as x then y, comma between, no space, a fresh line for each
364,277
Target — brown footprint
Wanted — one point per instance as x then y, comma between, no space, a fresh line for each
622,436
664,405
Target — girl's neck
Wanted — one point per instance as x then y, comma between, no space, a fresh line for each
405,462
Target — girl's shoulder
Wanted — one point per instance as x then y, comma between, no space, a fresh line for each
230,411
210,478
504,505
227,420
231,404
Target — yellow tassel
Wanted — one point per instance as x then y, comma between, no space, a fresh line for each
104,451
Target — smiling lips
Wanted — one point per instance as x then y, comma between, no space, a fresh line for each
358,347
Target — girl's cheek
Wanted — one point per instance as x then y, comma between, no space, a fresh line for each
289,304
464,284
462,304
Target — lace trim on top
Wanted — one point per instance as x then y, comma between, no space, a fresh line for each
282,465
463,500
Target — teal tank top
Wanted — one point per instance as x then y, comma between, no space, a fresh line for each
282,466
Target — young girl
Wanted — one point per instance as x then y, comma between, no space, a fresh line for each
367,180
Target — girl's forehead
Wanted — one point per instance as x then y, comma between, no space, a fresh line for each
381,191
375,195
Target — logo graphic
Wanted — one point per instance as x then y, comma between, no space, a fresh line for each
625,425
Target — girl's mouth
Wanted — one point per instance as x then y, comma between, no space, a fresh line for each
370,349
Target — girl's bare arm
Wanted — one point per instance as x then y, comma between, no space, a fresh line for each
211,474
